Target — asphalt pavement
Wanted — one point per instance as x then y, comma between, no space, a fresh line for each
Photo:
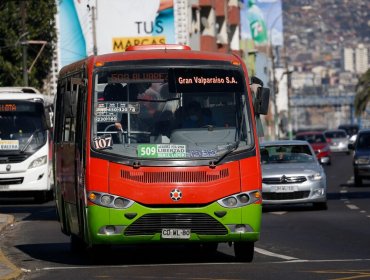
8,271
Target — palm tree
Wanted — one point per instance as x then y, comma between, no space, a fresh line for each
362,93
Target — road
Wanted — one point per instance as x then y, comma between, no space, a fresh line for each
296,243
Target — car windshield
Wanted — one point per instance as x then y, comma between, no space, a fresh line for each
363,141
335,134
312,138
286,154
170,113
22,126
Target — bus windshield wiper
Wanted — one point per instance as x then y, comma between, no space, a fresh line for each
29,140
233,146
228,151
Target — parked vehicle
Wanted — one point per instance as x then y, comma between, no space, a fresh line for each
291,174
319,144
350,129
338,140
361,156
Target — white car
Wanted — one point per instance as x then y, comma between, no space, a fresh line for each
291,174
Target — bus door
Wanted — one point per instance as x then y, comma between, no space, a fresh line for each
68,147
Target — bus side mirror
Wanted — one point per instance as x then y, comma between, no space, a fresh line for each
48,119
261,103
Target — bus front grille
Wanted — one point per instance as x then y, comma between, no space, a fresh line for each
13,158
285,196
11,181
201,224
175,176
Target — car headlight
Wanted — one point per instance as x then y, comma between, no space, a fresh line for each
240,199
315,177
362,160
38,162
110,201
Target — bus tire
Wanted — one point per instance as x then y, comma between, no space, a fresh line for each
77,245
63,217
244,251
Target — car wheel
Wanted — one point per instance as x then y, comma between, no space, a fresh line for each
358,180
320,206
244,251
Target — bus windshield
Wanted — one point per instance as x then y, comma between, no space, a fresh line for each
22,127
176,113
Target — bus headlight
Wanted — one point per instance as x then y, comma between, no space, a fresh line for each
121,202
110,201
38,162
240,199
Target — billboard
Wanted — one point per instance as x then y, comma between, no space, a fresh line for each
115,25
261,21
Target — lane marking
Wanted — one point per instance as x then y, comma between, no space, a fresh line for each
344,191
196,264
352,207
271,254
279,213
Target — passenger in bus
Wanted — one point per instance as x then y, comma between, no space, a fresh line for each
196,117
113,92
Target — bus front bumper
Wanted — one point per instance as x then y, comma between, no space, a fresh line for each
140,224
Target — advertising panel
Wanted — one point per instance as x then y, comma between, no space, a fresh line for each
115,25
261,21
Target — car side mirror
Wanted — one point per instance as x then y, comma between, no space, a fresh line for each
351,146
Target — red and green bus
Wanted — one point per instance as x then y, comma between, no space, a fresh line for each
158,144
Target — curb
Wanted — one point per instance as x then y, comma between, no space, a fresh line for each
8,271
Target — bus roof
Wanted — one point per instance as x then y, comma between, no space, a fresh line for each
148,53
21,96
19,90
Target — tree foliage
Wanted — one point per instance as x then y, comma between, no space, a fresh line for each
362,97
26,20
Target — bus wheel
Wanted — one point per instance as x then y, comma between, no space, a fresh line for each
77,244
244,251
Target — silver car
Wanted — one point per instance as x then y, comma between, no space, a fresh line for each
291,174
338,140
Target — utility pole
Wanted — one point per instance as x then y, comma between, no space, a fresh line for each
24,42
275,87
93,11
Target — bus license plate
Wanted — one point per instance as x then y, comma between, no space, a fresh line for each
4,187
286,188
175,233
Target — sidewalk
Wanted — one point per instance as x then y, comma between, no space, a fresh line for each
8,271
